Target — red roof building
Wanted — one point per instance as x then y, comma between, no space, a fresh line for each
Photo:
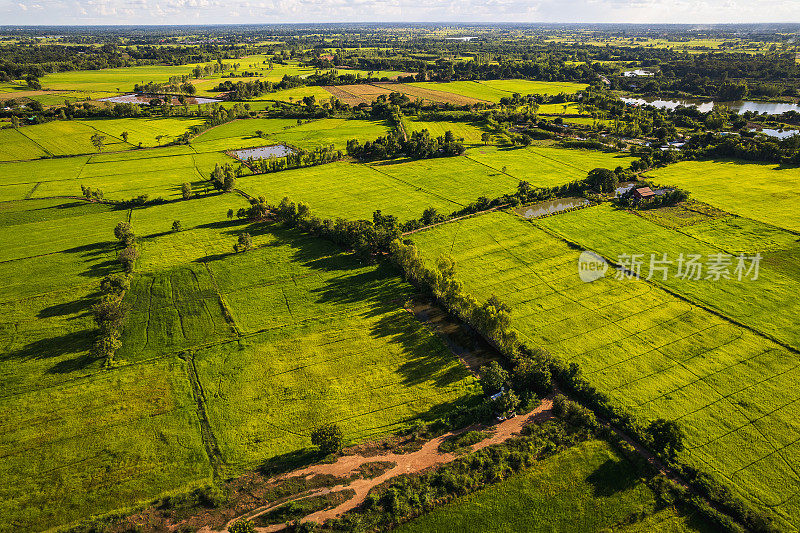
643,192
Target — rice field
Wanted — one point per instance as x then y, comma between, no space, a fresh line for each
762,191
655,355
308,135
545,166
79,440
471,133
348,190
494,90
766,304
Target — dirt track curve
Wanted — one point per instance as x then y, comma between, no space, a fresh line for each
407,463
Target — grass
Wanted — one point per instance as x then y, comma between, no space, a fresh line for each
585,488
459,180
762,191
279,322
77,440
16,146
302,308
653,354
544,166
112,79
98,444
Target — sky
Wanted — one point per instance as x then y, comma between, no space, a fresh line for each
53,12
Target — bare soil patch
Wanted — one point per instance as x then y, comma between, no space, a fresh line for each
431,95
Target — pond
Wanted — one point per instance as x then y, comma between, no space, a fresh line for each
637,72
704,106
549,207
624,187
263,152
779,134
146,98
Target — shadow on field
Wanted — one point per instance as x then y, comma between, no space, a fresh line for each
612,477
426,361
59,346
79,307
289,461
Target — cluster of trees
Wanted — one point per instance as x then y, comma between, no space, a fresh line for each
223,178
242,90
176,84
21,59
127,239
109,312
750,147
420,145
367,237
298,159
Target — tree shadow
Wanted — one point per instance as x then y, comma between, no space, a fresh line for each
79,308
425,361
289,461
92,249
612,477
52,347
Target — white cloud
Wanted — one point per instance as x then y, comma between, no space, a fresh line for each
277,11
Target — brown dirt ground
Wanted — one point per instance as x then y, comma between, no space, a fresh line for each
425,457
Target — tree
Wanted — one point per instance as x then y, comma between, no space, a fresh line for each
328,438
244,243
128,257
429,216
229,182
125,136
506,402
124,233
188,88
98,141
186,190
33,83
230,213
486,137
176,225
242,526
493,377
533,375
603,180
667,436
159,137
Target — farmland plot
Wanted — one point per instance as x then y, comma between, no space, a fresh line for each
544,166
731,389
349,190
296,309
766,304
78,440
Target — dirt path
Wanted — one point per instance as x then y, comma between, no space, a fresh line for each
406,463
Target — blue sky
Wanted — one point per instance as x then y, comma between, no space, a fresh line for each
281,11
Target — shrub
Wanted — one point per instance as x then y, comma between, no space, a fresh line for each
328,438
242,526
